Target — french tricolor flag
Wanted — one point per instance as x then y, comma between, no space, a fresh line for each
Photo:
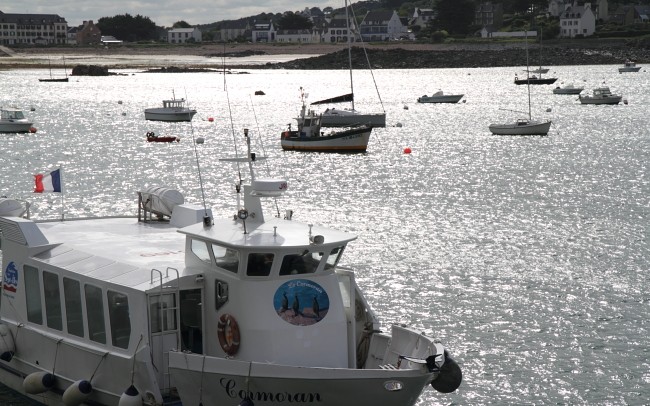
48,182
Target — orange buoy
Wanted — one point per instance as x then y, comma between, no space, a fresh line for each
32,130
407,150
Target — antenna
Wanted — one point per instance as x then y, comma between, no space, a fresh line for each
207,220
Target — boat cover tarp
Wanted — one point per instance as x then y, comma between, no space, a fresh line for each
338,99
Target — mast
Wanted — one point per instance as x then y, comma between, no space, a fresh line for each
528,76
347,23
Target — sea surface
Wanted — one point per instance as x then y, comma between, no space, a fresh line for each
528,257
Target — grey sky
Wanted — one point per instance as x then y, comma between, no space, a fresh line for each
161,12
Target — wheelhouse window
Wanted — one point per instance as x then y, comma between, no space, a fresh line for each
226,258
73,314
259,264
118,314
33,295
52,301
305,262
333,257
95,309
200,249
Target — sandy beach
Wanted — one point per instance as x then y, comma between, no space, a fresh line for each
146,56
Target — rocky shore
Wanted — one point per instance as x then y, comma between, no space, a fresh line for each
390,55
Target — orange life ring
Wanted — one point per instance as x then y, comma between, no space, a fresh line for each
228,333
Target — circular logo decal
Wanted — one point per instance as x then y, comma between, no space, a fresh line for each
301,302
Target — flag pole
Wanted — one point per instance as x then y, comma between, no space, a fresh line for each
62,194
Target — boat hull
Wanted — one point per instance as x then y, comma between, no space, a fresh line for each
165,115
221,381
567,90
535,128
607,100
535,81
15,127
452,98
353,140
54,80
635,69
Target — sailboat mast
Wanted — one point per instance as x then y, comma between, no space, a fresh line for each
347,23
530,117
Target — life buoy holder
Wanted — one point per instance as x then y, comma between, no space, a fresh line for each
228,333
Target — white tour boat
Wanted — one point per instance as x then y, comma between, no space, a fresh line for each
175,308
172,110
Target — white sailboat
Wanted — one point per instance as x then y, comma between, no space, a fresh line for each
523,126
334,117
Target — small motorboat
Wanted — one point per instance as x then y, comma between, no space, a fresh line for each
601,95
172,110
152,137
12,120
440,97
568,89
629,66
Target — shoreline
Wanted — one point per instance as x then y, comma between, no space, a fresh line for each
389,55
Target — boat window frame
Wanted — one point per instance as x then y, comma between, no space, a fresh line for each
207,260
52,301
260,261
72,293
119,318
33,299
95,313
228,251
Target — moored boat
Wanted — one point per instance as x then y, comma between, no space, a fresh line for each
440,97
172,110
175,307
152,137
601,95
568,89
309,135
629,66
13,120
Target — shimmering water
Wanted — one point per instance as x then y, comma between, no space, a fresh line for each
527,256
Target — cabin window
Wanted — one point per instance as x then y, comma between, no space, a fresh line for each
226,258
294,264
95,311
200,249
333,257
118,314
33,295
259,264
73,315
52,301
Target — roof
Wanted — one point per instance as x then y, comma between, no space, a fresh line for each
31,18
378,16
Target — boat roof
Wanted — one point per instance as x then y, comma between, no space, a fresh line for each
273,234
117,250
123,250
